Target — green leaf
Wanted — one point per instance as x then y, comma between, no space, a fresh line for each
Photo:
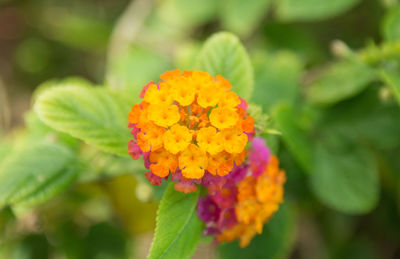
242,17
345,175
312,10
35,174
224,55
343,80
393,80
294,135
295,38
178,228
134,68
5,148
275,242
366,118
277,78
97,116
77,81
391,25
37,131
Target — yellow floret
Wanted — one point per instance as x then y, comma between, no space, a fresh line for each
234,140
209,140
150,138
181,91
164,115
200,80
193,162
247,210
209,96
177,138
223,118
229,100
158,96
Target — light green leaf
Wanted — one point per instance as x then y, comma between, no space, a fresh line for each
38,132
343,80
277,78
391,25
242,17
35,174
345,175
311,10
275,242
189,13
69,81
178,228
5,148
224,55
393,80
294,135
97,116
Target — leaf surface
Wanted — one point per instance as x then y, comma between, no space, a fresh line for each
224,55
97,116
178,227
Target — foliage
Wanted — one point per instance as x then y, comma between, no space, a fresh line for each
95,115
223,54
66,175
178,228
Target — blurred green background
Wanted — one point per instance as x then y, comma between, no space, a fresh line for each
326,71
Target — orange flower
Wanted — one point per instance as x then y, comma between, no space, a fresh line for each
177,138
223,118
233,140
209,140
258,199
191,113
193,162
164,115
164,162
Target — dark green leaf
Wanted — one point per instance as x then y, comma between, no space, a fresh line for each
294,135
367,118
310,10
295,38
393,80
178,227
343,80
345,175
391,25
277,79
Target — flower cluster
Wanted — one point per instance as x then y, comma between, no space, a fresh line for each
190,125
238,205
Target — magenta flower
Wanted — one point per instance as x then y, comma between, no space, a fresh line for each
208,210
259,156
